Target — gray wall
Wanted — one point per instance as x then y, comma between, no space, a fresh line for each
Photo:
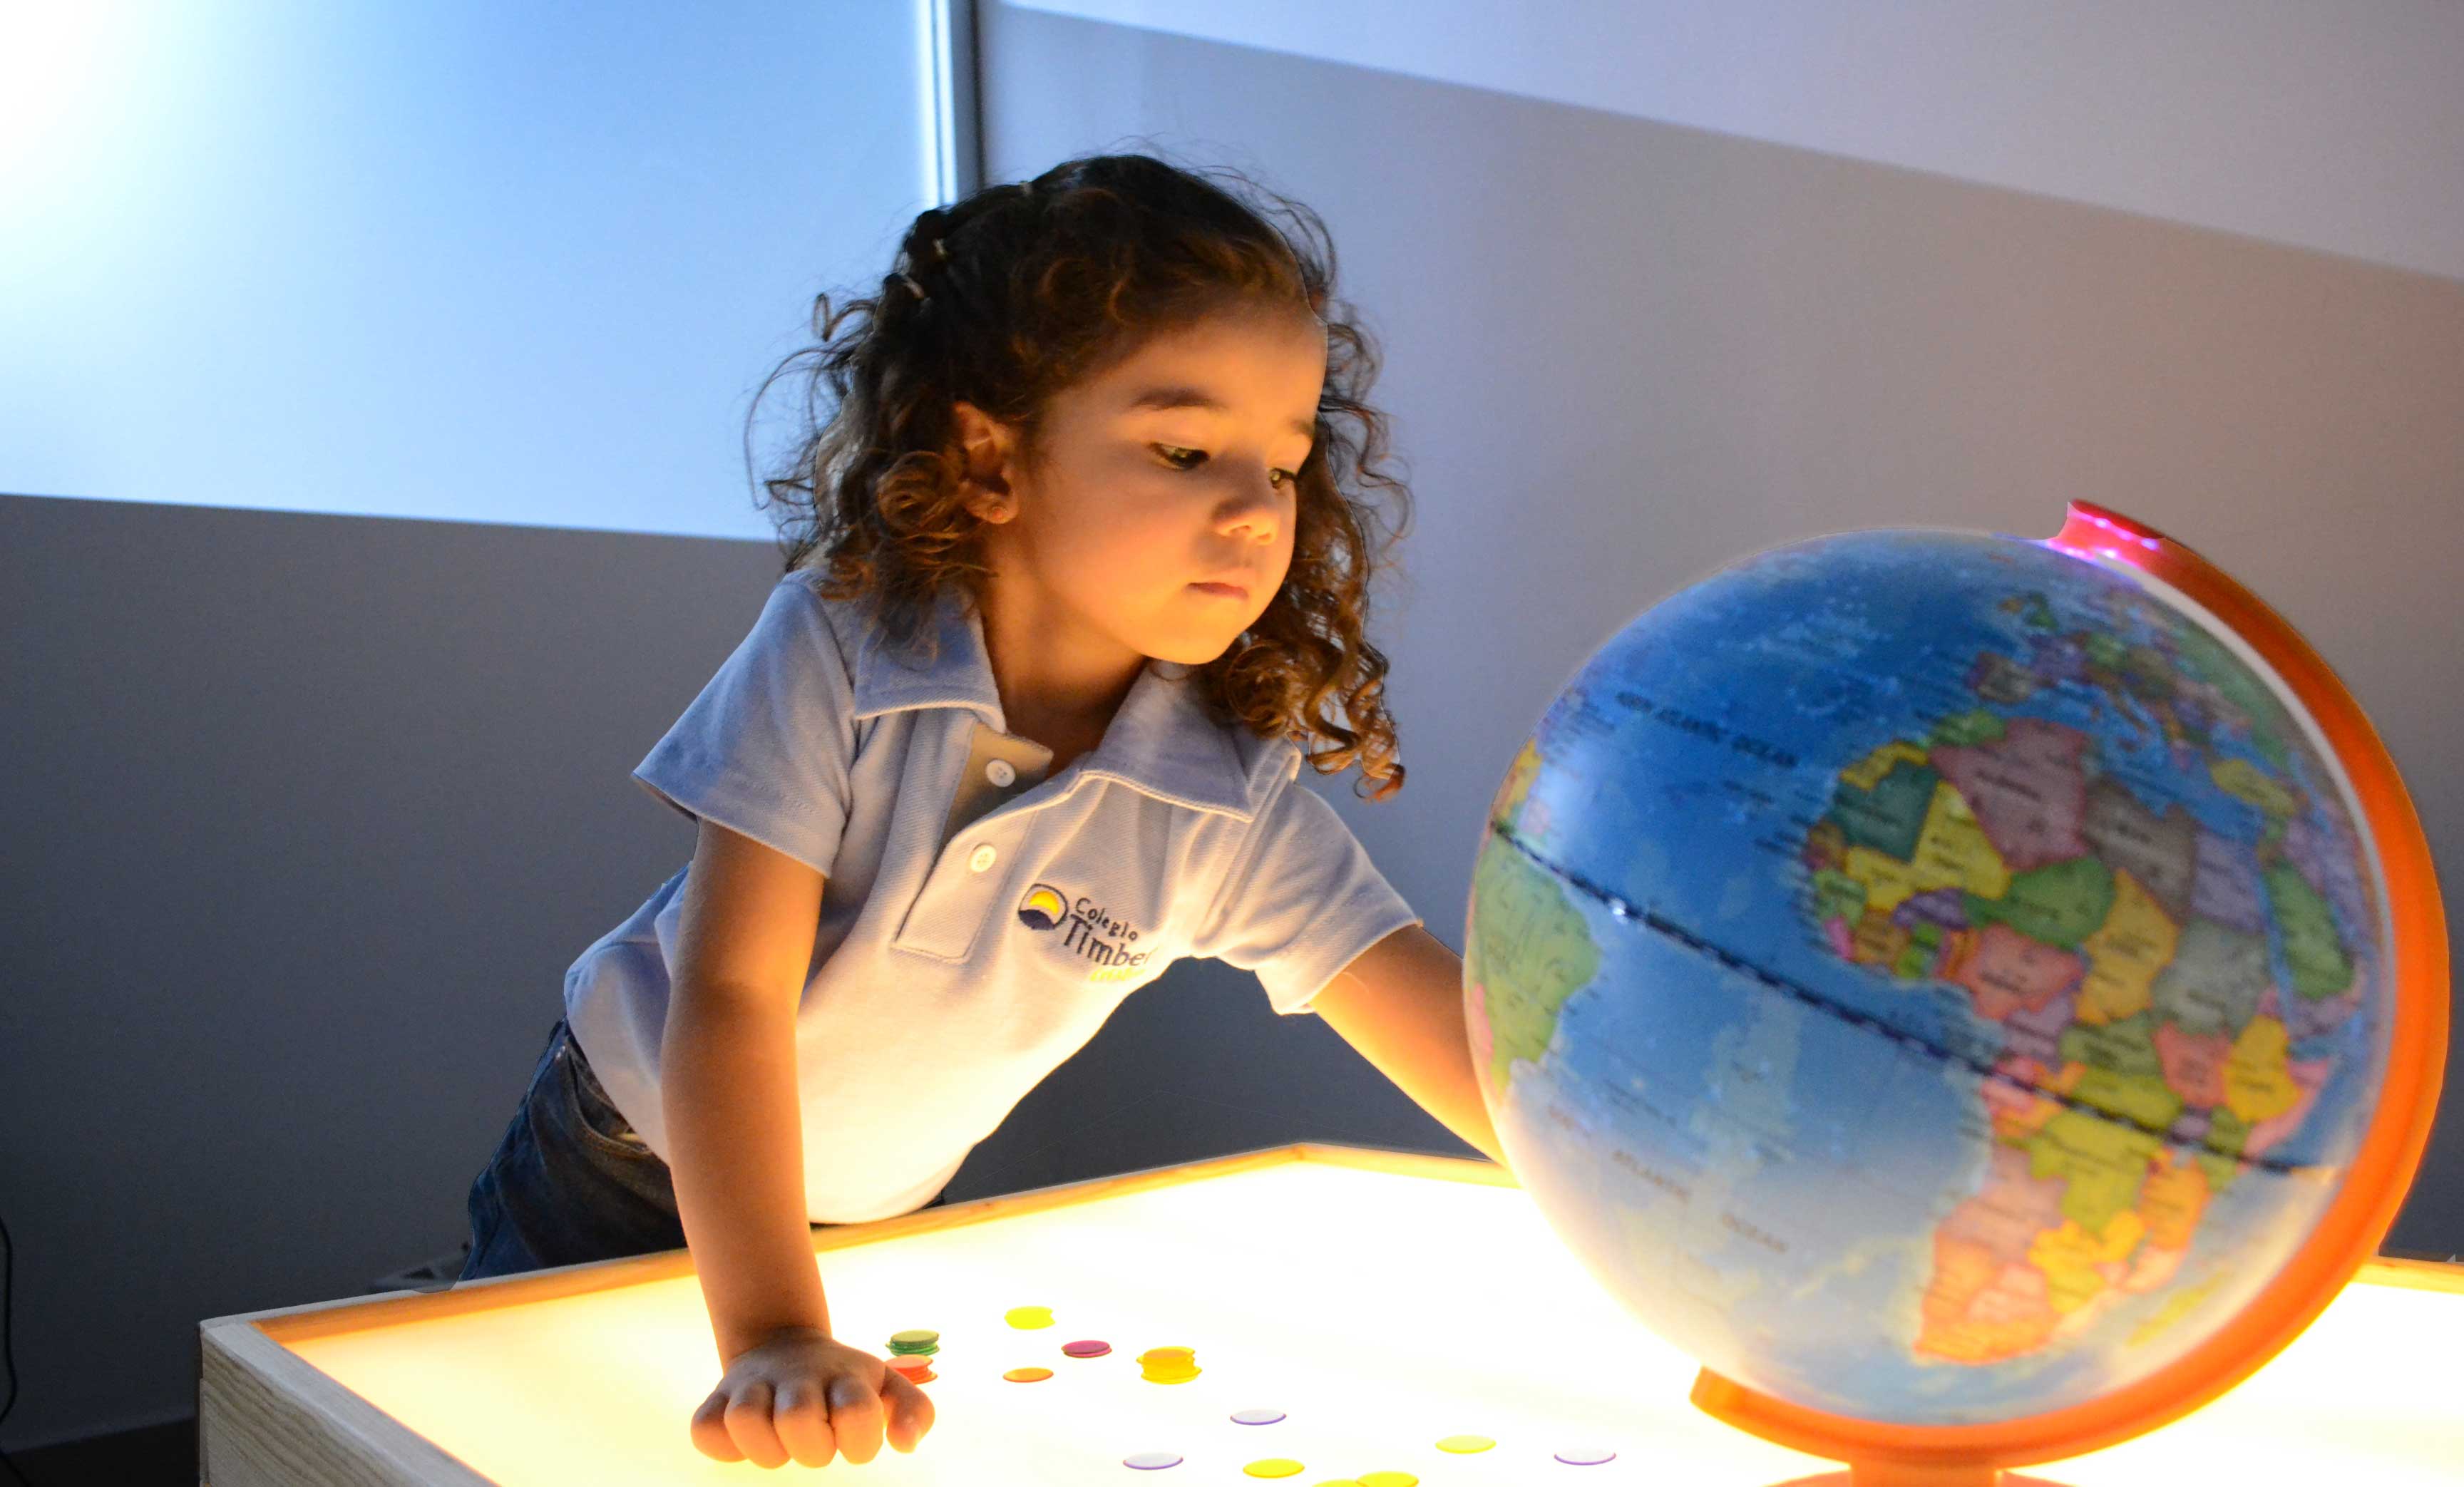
308,814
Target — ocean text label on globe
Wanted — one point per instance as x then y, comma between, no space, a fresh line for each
1929,977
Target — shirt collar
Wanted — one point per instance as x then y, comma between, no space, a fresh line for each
1160,740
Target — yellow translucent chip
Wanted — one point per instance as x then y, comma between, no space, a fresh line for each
1027,1375
1465,1445
1028,1316
1166,1354
1273,1466
1390,1479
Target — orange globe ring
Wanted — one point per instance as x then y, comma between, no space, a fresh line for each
2356,1219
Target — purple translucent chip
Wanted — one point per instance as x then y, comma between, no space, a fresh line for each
1089,1349
1586,1457
1150,1460
1257,1417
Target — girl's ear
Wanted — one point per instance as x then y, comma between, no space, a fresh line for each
988,496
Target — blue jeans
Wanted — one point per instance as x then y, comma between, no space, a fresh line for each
570,1182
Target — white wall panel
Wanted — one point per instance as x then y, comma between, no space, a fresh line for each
500,263
2333,126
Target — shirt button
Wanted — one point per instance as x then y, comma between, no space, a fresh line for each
981,858
999,773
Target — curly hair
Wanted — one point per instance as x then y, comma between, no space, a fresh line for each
1031,288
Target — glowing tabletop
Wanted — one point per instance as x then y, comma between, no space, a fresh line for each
1378,1302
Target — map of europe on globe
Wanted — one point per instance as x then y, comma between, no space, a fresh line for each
1931,978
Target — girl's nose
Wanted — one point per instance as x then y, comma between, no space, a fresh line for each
1258,522
1259,512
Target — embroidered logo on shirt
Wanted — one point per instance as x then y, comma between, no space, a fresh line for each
1042,908
1087,931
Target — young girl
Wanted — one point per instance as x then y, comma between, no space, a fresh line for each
1074,580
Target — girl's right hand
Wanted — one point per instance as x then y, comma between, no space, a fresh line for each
798,1395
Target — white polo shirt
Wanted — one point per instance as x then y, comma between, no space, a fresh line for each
980,921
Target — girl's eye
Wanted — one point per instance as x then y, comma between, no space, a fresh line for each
1172,451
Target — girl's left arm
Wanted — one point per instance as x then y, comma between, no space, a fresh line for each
1400,1003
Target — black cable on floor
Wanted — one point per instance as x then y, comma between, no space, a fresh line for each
8,1358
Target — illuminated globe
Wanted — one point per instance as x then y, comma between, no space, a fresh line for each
1980,997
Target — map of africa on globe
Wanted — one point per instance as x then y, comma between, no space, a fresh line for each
1930,976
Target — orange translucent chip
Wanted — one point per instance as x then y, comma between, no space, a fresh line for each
1027,1375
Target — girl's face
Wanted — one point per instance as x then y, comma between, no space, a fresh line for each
1140,503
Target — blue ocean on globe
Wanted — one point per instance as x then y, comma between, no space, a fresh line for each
1930,977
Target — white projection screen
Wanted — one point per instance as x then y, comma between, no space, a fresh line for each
455,260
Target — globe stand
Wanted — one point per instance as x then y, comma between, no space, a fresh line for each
1880,1476
1931,1476
1878,1455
